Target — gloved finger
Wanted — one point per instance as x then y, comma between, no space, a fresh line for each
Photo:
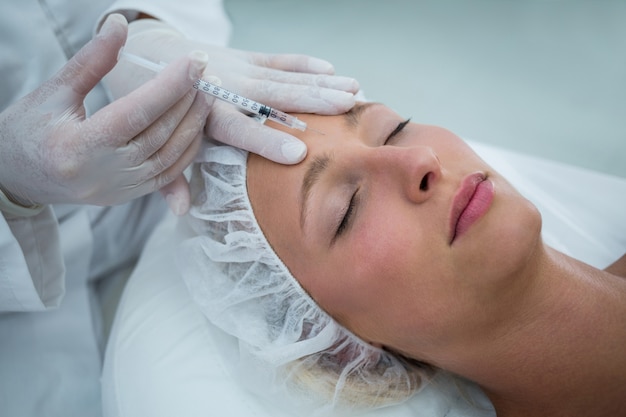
300,98
92,62
176,192
229,126
178,199
133,113
144,145
335,82
174,156
177,195
293,63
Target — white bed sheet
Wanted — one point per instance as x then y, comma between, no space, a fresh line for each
165,359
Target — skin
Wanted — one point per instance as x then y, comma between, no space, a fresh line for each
471,304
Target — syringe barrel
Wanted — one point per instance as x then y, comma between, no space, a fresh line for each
249,105
218,92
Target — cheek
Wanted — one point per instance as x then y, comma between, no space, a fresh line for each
360,270
386,278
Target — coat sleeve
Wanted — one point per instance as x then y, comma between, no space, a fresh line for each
200,20
32,269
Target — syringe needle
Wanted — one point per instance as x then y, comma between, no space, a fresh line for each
315,130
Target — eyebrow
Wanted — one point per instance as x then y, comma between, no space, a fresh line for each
315,169
353,116
321,163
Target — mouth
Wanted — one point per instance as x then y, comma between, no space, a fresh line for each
471,201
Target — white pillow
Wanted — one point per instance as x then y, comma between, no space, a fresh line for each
165,359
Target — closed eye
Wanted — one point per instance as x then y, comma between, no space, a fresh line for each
346,219
397,130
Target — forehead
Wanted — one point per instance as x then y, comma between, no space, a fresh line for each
323,127
324,134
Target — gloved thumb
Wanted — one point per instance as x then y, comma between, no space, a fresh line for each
92,62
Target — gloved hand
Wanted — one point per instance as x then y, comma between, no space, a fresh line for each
291,83
51,153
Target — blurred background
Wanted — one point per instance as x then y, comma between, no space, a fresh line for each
542,77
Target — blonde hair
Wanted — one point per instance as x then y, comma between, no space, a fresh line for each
326,380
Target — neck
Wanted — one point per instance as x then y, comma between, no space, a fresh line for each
562,353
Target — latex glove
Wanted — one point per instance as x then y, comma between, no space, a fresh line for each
291,83
51,153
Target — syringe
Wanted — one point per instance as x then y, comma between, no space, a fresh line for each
246,104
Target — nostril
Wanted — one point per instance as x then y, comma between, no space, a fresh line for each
424,183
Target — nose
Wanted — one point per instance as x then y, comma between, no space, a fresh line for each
415,170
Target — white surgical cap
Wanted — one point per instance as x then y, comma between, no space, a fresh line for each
289,348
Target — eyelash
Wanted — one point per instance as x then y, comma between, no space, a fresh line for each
347,217
397,130
345,221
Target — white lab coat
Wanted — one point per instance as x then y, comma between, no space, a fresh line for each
50,323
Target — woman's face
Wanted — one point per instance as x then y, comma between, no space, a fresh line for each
398,230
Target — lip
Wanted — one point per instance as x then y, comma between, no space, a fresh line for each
471,201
